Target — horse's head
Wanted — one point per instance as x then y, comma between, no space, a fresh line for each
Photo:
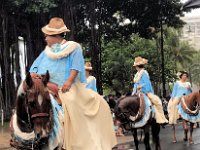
126,107
35,109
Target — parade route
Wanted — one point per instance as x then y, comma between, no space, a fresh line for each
126,142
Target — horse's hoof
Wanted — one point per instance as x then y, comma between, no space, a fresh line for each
174,141
191,141
185,139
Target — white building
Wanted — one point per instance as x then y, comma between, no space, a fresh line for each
191,31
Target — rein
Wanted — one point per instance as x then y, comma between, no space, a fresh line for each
40,115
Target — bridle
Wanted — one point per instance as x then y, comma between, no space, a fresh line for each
39,115
36,115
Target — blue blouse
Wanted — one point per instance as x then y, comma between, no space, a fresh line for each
59,69
92,85
179,89
145,82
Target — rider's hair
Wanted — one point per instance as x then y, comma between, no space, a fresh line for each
182,73
140,66
63,35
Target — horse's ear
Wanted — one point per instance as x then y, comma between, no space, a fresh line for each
45,78
28,80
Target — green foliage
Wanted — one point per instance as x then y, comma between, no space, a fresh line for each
36,6
118,57
194,69
117,68
177,50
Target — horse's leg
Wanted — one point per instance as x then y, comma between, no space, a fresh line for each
134,132
197,125
174,133
146,138
155,128
185,127
191,131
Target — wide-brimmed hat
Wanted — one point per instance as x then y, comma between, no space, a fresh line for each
140,61
56,26
88,66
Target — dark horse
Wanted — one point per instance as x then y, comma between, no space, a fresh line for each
33,120
189,112
130,110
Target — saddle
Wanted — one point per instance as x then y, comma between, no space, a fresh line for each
187,110
128,105
140,113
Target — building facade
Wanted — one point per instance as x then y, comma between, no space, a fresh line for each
191,31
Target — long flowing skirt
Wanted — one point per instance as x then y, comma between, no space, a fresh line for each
159,113
173,110
88,123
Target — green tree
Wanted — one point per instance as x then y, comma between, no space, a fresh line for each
180,51
117,66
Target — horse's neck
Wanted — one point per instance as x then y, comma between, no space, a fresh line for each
22,117
197,97
191,100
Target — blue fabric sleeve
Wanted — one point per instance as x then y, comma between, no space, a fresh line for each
174,91
36,63
77,63
77,60
146,83
134,89
92,85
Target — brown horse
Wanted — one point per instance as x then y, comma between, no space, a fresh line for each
33,120
189,112
130,110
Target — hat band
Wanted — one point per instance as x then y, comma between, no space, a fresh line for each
56,30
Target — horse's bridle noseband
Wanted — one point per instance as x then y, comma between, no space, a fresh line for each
40,115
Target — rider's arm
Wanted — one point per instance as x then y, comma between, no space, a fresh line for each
67,85
76,68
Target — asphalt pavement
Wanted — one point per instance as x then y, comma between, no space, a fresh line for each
127,143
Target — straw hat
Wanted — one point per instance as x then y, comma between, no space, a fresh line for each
56,26
140,61
88,66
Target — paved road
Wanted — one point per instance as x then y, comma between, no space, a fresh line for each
166,141
126,142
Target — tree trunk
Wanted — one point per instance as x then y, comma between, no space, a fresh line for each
95,46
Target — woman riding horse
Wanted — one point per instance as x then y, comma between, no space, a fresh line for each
142,83
181,87
136,111
88,122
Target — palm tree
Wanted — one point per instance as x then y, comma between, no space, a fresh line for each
179,51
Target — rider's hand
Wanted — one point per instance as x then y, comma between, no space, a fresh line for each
139,87
66,86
